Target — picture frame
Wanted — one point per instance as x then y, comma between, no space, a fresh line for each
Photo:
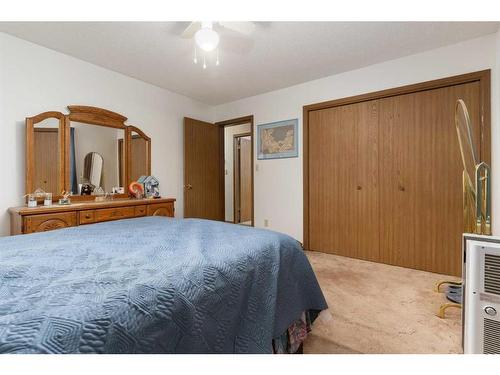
151,186
278,140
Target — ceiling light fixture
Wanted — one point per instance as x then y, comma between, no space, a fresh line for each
207,38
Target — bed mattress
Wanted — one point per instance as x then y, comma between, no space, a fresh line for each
152,285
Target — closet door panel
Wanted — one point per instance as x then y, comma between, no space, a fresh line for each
397,165
343,174
420,172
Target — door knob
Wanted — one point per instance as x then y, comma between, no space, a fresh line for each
188,186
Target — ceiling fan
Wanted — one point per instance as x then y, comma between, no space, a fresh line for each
207,35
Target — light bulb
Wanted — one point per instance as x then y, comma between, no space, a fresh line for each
207,39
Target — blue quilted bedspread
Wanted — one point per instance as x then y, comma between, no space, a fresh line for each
152,285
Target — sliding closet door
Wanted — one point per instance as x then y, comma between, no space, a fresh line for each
384,176
343,175
420,175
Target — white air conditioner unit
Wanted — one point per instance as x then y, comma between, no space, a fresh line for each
481,304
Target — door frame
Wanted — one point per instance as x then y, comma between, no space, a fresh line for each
484,79
236,136
223,125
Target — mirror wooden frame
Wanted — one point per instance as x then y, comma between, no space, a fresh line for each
86,115
128,145
30,148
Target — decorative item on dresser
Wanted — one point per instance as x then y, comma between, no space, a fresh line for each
84,159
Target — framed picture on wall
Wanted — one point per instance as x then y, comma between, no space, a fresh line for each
278,140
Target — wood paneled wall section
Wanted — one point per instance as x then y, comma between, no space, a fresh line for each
384,176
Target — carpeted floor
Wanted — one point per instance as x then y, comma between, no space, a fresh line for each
377,308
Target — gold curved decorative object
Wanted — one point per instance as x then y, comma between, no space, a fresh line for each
437,287
445,306
476,192
483,199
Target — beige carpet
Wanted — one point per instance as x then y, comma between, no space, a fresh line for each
377,308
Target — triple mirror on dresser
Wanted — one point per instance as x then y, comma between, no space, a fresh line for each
90,148
87,153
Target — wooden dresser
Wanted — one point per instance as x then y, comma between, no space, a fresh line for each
39,219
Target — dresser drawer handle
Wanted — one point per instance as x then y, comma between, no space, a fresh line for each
88,216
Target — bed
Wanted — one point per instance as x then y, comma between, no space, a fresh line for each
153,285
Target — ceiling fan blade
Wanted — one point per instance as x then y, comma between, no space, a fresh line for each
245,28
191,30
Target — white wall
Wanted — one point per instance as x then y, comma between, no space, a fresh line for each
35,79
229,132
278,183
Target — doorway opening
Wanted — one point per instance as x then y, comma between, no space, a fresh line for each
237,170
242,179
209,179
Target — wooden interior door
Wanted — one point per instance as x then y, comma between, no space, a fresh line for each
203,162
421,178
46,155
343,188
243,179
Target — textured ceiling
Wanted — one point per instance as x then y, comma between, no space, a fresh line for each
276,55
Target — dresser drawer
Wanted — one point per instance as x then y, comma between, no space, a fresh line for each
141,210
161,209
46,222
86,217
42,218
106,214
